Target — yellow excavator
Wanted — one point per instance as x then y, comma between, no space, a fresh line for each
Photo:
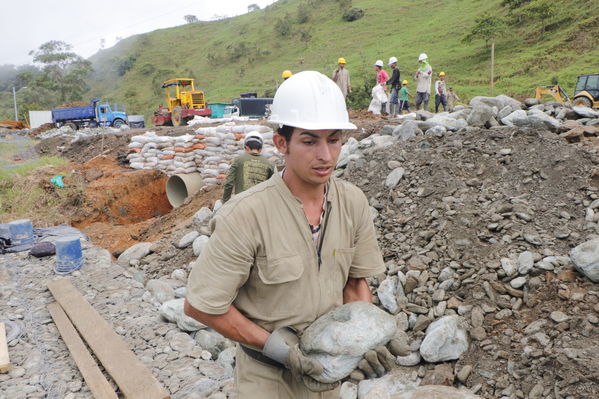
183,103
586,92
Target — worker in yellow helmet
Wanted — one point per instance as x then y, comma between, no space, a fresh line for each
341,77
286,74
440,92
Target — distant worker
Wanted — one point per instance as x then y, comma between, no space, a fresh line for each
440,93
452,98
248,169
403,97
394,82
381,79
341,77
286,74
423,76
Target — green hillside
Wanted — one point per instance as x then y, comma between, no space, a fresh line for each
248,54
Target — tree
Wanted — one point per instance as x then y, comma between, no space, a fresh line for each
253,7
190,19
62,72
487,28
283,27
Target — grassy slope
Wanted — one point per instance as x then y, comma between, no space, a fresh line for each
525,57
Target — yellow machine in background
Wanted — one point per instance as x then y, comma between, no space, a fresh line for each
183,103
586,92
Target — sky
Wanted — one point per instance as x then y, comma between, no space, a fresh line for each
84,23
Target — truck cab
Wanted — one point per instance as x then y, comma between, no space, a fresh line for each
111,115
587,91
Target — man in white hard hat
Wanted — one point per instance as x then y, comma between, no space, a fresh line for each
394,82
341,77
288,250
423,78
248,169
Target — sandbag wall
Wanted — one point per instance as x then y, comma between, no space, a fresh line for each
210,151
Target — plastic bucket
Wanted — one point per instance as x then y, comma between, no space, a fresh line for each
21,232
68,255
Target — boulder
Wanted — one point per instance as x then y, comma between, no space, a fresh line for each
585,112
446,339
161,290
187,239
386,130
437,130
201,217
529,102
406,130
435,392
393,383
394,177
500,101
569,125
541,120
387,293
199,244
448,122
136,252
460,114
340,338
516,118
424,115
480,115
503,112
586,259
173,311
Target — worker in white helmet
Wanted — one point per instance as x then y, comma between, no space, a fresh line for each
248,169
394,82
381,79
423,77
288,250
341,77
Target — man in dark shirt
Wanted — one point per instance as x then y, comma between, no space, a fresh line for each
395,82
248,169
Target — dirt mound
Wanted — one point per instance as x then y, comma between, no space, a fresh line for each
41,129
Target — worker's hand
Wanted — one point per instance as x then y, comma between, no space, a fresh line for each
380,360
283,346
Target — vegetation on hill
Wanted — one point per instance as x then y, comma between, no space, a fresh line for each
536,42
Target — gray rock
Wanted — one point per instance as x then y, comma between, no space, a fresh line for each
518,282
508,266
199,244
181,342
136,252
500,101
448,122
529,102
525,262
586,259
435,392
340,338
387,292
227,359
541,120
437,130
424,115
446,339
585,112
173,311
387,130
394,177
391,384
406,130
348,390
516,118
410,360
201,217
187,239
211,341
480,115
161,290
558,316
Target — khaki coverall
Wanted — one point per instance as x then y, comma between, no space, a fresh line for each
261,258
341,77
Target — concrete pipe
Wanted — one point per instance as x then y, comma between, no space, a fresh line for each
179,187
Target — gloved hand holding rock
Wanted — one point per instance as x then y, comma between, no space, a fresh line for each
283,347
380,360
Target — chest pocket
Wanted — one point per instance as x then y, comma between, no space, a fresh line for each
280,270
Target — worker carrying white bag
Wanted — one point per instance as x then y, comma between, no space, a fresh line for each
379,97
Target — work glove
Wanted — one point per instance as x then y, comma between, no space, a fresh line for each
380,360
283,347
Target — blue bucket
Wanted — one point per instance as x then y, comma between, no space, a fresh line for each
21,232
68,255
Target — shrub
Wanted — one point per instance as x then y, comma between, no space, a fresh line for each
283,27
303,13
353,14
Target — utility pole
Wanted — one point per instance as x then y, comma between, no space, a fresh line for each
492,66
14,99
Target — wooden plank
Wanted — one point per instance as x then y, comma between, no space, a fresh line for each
133,378
4,358
97,383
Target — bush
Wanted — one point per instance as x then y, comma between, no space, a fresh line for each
361,96
283,27
353,14
303,13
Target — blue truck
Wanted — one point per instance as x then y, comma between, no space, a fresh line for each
93,115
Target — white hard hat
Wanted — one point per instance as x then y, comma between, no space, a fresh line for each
253,136
392,60
378,63
310,100
422,57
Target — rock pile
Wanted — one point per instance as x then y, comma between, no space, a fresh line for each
210,151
